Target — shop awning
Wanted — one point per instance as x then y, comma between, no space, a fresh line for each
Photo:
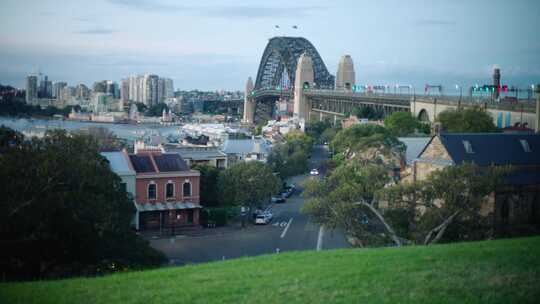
166,206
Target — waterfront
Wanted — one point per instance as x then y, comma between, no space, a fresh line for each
130,132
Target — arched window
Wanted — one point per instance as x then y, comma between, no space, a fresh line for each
152,190
187,189
169,190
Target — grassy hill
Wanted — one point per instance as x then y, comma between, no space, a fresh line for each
502,271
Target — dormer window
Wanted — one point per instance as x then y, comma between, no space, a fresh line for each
525,145
468,147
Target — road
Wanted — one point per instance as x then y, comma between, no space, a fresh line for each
290,230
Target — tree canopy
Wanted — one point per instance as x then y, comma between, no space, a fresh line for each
473,120
403,124
367,143
209,185
157,109
291,157
248,184
367,112
64,212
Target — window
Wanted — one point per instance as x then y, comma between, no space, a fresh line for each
468,146
169,190
187,189
123,186
525,145
152,191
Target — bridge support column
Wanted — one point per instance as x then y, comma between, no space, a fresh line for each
303,80
249,104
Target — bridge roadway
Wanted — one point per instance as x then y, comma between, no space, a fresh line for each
336,104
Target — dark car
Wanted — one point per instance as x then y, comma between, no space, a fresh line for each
288,191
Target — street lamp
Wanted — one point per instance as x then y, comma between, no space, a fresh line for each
414,93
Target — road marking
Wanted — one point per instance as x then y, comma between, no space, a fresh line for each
286,228
320,238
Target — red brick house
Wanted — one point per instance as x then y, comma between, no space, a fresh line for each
166,190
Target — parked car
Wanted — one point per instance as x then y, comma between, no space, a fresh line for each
288,191
263,218
278,199
314,172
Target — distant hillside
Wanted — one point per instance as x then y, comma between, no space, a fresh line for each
502,271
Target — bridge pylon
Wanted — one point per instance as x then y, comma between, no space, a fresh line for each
304,79
345,76
249,103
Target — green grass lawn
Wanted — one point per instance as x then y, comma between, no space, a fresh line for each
503,271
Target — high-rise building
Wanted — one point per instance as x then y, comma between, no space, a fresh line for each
66,94
169,88
45,88
82,92
161,90
31,88
112,88
57,87
99,87
150,90
124,90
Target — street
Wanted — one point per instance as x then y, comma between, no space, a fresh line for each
290,230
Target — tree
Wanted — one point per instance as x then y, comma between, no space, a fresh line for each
297,139
472,120
247,184
9,138
141,107
345,200
105,139
157,109
367,112
402,124
291,157
209,185
445,206
368,144
64,212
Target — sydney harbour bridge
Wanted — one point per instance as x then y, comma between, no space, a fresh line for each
292,69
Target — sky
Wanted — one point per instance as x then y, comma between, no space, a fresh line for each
212,45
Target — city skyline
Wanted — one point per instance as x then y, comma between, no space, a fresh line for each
389,42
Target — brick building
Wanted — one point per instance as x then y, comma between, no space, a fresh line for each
166,190
516,205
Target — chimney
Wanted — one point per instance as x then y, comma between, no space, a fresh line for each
537,125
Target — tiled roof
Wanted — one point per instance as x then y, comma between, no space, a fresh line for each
493,148
415,145
142,163
245,146
170,162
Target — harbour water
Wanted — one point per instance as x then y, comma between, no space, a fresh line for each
130,132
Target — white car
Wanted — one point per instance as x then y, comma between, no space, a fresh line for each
263,218
314,172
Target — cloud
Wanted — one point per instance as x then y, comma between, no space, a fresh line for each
96,31
220,11
82,19
434,22
146,5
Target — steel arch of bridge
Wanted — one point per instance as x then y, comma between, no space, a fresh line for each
281,54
